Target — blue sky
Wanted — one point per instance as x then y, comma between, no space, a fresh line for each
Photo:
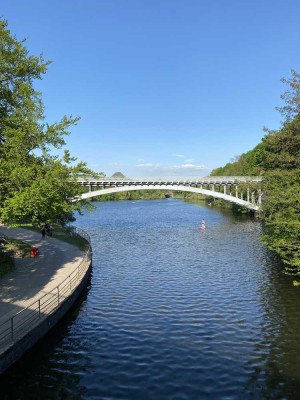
163,87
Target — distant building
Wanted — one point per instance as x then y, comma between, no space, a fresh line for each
118,175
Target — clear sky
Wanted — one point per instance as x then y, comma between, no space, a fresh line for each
163,87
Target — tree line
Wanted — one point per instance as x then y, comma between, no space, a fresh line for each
277,159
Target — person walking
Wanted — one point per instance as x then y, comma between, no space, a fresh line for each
43,230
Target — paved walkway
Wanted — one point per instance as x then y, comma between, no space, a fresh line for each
34,277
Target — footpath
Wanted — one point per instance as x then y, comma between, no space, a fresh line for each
34,277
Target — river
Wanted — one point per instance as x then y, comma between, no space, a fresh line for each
171,312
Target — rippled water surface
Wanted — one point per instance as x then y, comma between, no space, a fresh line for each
171,313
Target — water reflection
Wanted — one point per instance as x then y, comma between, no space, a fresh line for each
276,357
40,374
172,313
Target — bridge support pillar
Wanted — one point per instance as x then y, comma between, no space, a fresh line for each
259,196
236,192
248,194
224,189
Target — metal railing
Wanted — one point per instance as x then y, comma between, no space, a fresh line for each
208,179
75,231
21,323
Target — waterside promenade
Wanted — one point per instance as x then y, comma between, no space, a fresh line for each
38,292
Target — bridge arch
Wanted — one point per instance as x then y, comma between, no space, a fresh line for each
172,187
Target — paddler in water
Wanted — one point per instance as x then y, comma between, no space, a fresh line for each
203,225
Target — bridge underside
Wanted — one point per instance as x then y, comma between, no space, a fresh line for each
212,193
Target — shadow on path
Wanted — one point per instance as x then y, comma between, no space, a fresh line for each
33,277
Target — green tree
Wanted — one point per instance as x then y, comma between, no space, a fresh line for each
281,205
248,164
35,185
277,159
291,98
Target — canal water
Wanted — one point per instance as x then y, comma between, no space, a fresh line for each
171,312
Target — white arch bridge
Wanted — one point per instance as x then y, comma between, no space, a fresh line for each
242,190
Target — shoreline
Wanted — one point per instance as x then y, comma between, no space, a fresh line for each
39,292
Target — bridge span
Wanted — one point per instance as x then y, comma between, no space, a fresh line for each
242,190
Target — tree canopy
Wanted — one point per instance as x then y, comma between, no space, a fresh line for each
35,184
277,159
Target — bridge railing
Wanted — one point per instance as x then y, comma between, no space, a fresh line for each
209,179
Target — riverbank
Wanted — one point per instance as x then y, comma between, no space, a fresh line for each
34,279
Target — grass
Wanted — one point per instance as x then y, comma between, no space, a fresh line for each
9,249
15,247
7,263
61,233
67,236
